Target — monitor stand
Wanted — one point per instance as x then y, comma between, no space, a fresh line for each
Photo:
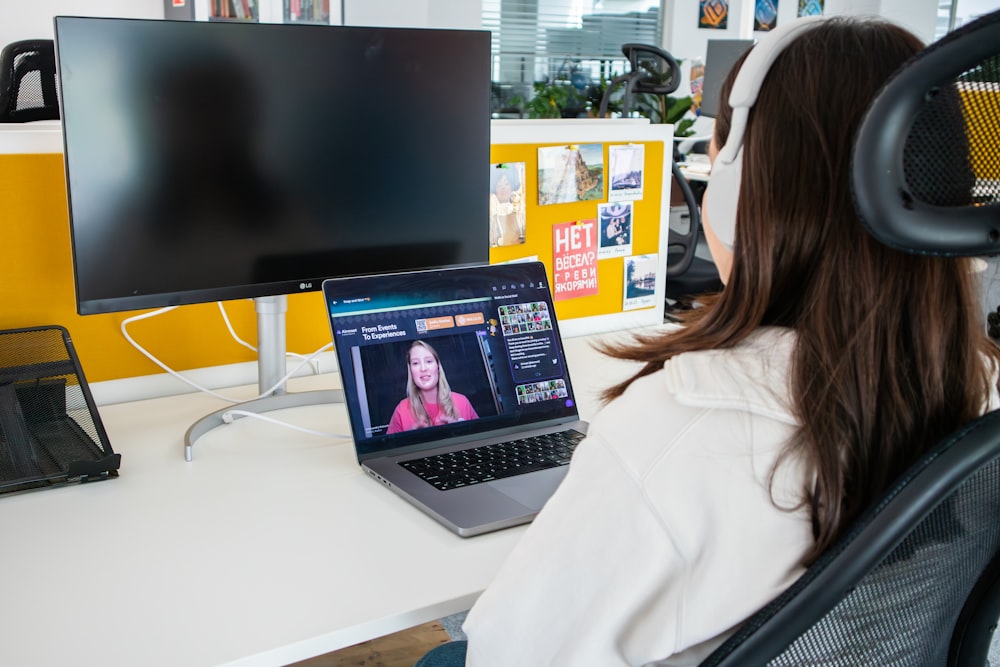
271,368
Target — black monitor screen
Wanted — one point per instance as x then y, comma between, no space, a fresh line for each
720,56
216,160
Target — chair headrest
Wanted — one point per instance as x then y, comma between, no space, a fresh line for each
926,164
28,86
656,63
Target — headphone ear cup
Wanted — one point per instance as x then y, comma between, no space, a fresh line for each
721,197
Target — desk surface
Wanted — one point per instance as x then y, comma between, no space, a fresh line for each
697,168
270,547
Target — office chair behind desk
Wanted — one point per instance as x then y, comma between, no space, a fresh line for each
653,71
28,88
688,275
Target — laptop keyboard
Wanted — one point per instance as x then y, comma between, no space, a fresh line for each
489,462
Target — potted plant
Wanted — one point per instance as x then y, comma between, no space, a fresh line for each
553,99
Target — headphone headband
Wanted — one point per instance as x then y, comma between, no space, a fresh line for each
752,74
722,194
762,56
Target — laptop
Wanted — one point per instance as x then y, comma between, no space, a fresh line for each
457,389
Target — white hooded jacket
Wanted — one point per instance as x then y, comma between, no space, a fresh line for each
665,534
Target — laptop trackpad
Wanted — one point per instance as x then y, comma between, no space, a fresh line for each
532,490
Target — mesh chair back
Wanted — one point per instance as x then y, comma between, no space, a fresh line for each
892,590
926,170
657,71
653,72
28,82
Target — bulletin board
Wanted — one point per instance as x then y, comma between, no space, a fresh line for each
590,199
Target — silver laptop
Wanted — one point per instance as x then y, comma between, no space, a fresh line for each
457,389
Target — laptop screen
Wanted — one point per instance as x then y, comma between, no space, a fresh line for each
434,355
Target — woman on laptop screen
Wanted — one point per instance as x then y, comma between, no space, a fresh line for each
750,439
429,399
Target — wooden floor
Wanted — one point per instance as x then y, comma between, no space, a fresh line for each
401,649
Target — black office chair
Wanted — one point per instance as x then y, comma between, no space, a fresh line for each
656,72
688,275
916,581
653,71
28,86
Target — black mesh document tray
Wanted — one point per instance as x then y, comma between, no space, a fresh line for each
50,431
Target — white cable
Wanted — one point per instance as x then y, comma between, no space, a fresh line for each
232,332
229,416
292,372
143,316
148,355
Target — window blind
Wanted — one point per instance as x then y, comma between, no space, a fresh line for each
546,40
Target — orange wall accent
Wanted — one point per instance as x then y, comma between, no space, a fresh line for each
36,288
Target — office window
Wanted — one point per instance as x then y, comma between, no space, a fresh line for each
574,41
956,13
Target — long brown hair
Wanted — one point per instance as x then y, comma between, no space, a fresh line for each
889,350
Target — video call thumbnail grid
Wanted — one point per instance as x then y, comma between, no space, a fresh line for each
524,317
535,392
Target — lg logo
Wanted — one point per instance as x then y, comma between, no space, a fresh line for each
305,285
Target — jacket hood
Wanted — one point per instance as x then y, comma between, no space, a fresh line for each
753,376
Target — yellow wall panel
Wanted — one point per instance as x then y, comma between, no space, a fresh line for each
36,288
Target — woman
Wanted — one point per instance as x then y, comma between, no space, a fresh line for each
429,399
750,439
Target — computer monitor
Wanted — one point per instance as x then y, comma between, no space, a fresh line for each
720,56
210,161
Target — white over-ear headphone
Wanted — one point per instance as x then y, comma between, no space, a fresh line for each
723,191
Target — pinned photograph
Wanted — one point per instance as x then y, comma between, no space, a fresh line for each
640,282
507,212
615,236
570,173
625,172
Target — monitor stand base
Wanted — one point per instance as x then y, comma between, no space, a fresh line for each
271,379
258,406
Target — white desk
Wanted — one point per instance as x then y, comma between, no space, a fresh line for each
697,168
270,547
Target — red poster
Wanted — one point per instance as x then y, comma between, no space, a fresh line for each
574,255
179,3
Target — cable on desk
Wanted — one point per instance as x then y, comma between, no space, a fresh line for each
229,416
148,355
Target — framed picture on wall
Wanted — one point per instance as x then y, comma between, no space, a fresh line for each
765,15
713,14
811,7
